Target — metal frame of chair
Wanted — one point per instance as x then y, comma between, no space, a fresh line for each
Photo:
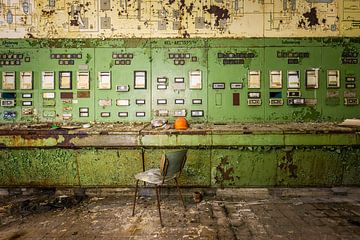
171,167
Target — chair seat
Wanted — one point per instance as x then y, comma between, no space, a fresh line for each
153,176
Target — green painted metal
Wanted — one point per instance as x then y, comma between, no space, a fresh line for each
38,167
156,58
98,167
217,157
174,139
244,167
215,167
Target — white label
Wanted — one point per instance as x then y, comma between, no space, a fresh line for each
48,80
8,82
275,79
65,80
140,80
195,81
105,102
122,102
140,114
26,79
83,80
48,95
312,78
293,79
254,79
104,80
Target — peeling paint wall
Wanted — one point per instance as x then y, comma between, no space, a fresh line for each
178,18
215,167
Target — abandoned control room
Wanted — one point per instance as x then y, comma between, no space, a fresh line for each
259,94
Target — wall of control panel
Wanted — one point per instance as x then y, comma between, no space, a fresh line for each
218,80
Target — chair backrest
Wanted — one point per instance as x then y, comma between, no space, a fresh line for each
172,163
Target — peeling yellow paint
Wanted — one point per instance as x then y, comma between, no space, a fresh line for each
178,18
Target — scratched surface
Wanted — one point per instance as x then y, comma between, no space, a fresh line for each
178,18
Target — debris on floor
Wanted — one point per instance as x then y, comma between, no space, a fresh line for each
206,217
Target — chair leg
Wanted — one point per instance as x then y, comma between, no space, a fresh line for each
137,183
158,203
177,186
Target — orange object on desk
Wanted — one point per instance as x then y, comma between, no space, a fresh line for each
180,123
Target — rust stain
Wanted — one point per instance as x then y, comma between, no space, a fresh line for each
219,13
311,18
225,173
288,164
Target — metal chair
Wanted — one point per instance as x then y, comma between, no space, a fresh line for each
171,166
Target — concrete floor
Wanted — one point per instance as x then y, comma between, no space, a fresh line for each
226,214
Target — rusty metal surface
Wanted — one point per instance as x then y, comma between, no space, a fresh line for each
121,135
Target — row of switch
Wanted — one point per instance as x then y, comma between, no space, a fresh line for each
11,56
122,55
284,54
237,55
66,56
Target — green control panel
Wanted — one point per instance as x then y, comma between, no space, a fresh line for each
204,80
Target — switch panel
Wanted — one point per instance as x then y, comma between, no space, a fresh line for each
49,95
312,78
8,81
197,113
84,112
25,111
254,94
105,114
122,102
236,85
179,101
123,114
140,101
26,95
180,113
293,94
105,102
140,80
9,115
195,80
333,78
48,80
161,101
254,79
26,80
218,85
161,86
351,101
197,101
83,80
254,102
161,80
27,103
162,113
276,102
104,80
65,80
275,79
8,95
140,114
122,88
296,101
7,103
293,79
